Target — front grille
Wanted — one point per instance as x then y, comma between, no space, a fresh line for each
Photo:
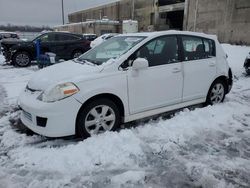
27,115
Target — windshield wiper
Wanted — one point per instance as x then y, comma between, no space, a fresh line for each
83,61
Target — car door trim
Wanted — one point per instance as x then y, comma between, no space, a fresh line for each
156,111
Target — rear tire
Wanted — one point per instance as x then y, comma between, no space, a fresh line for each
97,116
216,93
21,59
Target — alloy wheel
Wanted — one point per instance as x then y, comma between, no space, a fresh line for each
100,119
217,93
22,59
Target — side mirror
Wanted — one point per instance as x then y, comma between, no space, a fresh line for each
140,63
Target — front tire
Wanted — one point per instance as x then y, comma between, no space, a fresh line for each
21,59
96,117
216,93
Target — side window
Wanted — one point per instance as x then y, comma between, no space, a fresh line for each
50,37
194,48
44,38
65,37
209,48
160,51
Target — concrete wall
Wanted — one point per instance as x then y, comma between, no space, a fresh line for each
228,19
109,10
145,14
119,11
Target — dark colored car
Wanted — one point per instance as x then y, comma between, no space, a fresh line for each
247,64
90,37
65,45
7,35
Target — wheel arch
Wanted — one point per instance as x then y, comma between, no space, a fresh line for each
76,50
112,97
222,78
24,50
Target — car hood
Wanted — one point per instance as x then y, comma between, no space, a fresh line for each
12,42
61,73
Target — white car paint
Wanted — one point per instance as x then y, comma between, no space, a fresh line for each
101,39
143,92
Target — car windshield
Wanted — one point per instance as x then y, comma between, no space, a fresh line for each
110,49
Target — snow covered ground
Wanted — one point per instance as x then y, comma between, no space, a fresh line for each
204,147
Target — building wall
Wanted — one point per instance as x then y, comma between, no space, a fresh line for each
228,19
145,14
111,11
122,10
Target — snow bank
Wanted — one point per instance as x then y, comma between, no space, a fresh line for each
2,59
14,80
236,57
98,152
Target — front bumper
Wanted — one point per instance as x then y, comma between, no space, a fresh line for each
60,116
7,55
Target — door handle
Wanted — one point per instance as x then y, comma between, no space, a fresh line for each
176,70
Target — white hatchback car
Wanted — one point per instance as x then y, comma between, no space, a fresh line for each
128,77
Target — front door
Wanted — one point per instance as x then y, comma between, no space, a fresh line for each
48,43
161,83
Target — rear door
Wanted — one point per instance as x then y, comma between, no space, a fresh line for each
199,64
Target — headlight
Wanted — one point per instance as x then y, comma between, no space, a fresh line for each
58,92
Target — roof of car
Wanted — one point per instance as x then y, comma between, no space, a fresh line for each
64,32
169,32
89,34
6,32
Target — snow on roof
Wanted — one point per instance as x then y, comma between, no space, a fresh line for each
129,21
103,21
